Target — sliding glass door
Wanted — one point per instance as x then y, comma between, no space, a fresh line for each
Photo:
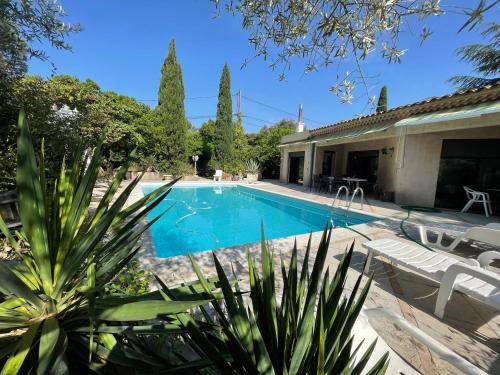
468,162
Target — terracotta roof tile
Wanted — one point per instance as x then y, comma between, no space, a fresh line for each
456,99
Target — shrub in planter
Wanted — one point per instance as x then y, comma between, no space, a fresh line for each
252,168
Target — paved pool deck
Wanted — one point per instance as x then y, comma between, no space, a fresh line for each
469,327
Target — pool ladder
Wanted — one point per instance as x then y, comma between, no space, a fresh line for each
361,197
343,187
348,202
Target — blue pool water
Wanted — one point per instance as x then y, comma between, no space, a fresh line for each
211,217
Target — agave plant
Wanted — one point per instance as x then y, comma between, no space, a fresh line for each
54,314
307,331
251,166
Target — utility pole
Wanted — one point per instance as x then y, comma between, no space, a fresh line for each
238,102
300,124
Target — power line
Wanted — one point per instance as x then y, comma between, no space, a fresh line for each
258,126
201,97
246,122
257,119
205,116
279,109
189,98
198,117
268,106
244,97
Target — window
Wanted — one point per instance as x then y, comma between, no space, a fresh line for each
467,162
296,168
327,168
363,164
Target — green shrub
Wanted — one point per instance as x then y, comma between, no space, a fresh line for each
57,314
54,313
306,331
132,280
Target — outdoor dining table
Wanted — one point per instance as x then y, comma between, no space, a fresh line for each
350,180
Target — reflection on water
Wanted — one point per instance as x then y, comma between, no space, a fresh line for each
208,217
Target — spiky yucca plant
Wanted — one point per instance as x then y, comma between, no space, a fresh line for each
307,331
54,314
251,166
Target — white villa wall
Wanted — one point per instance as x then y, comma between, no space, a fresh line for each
387,165
308,164
418,176
412,171
318,163
285,152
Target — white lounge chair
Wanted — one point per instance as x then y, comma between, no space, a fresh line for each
398,365
478,197
489,234
466,276
493,226
218,175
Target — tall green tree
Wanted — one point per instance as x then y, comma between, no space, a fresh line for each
172,113
485,59
265,146
241,151
117,115
224,132
382,100
64,111
207,156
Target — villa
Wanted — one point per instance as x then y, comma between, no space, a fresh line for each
422,153
161,212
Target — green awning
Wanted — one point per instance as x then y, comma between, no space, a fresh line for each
451,114
356,132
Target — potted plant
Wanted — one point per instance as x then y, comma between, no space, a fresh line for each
252,169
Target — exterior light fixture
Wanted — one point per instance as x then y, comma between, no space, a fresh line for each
195,159
389,151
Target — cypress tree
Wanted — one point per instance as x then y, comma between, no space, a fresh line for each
382,100
171,112
224,121
240,148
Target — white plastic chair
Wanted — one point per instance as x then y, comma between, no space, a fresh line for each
218,175
474,281
489,234
478,197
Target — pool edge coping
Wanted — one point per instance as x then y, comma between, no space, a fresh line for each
150,251
256,187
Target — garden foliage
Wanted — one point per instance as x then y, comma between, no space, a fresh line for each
55,314
306,330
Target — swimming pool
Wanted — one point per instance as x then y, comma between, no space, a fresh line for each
215,216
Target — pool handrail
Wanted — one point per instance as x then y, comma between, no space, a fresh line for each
340,189
362,197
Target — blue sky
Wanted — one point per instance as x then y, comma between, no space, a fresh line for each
124,43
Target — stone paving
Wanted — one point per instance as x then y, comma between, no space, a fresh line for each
469,327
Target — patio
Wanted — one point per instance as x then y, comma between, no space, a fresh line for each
422,153
469,328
